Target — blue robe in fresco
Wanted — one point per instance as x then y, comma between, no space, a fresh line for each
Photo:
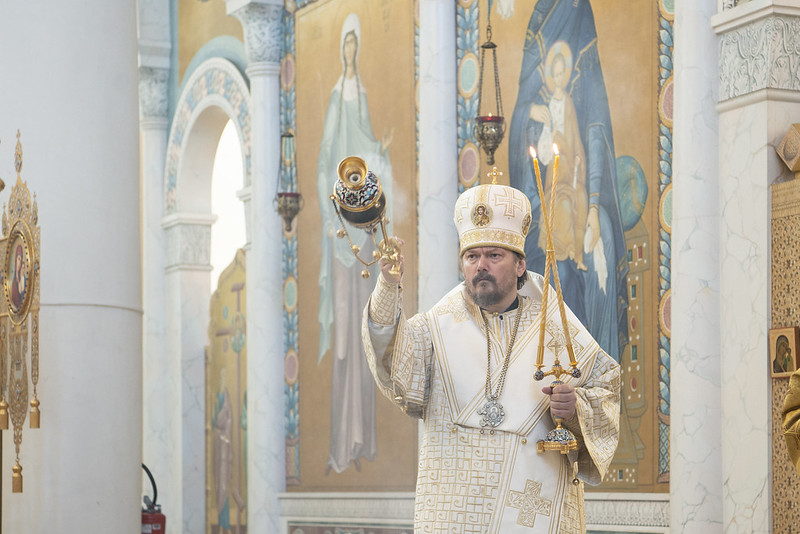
572,21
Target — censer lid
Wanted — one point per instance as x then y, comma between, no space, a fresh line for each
357,189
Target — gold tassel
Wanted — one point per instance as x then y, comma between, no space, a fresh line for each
16,479
3,414
34,412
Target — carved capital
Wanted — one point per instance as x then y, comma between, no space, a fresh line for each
762,54
263,31
153,84
730,4
188,240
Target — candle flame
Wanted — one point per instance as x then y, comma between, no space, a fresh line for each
555,149
532,151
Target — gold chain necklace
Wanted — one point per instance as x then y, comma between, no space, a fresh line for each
492,411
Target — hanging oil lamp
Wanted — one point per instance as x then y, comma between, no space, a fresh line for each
489,128
288,201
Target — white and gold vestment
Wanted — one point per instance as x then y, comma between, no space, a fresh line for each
433,366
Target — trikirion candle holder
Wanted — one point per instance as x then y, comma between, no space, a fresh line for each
559,439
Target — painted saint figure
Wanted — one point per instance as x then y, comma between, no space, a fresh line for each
560,127
222,425
347,132
19,279
783,356
595,286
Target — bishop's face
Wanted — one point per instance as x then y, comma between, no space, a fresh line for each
490,276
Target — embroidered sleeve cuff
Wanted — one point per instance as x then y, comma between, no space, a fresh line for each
384,305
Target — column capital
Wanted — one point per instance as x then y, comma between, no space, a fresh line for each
262,24
188,240
153,88
759,44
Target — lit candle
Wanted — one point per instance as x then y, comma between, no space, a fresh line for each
553,194
538,174
490,118
555,164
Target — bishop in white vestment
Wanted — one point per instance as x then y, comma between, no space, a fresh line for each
444,366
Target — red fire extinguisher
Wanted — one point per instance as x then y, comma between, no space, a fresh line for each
153,521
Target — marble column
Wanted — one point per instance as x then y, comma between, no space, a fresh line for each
187,294
266,432
159,385
70,88
695,410
438,151
758,100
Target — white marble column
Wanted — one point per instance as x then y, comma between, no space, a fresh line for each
160,409
759,96
695,410
266,432
438,151
70,88
187,294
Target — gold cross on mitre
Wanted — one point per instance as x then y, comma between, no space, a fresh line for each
493,175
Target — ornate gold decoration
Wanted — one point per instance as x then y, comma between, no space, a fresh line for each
789,149
19,312
785,311
358,198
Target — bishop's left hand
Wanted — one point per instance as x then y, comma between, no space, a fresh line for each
562,400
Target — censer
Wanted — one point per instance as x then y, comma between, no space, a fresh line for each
559,439
358,198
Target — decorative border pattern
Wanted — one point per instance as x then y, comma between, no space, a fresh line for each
288,176
216,81
627,513
666,17
760,55
785,283
467,23
392,507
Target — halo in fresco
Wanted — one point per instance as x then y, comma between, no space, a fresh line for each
559,47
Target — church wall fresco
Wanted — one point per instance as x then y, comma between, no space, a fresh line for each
350,438
199,23
632,43
226,402
636,67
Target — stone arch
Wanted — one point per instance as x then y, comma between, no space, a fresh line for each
216,91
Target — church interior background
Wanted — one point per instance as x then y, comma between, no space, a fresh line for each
243,393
